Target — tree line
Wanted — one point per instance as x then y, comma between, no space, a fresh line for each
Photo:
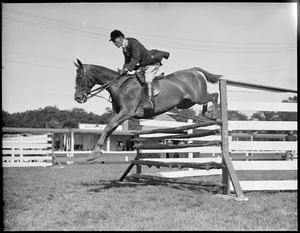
52,117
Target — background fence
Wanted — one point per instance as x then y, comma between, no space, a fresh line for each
30,151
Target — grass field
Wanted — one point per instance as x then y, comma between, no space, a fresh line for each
86,197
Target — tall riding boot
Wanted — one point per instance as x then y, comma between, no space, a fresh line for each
149,104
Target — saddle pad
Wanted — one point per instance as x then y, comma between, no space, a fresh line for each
156,84
156,87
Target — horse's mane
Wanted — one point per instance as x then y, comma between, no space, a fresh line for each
101,68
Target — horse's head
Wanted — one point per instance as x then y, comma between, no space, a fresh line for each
83,83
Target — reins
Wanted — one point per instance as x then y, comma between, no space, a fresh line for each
96,91
101,88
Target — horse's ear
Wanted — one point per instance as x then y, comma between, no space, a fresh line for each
76,64
79,62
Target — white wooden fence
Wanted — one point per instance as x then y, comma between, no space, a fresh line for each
247,147
31,151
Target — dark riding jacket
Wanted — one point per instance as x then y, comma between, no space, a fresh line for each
136,55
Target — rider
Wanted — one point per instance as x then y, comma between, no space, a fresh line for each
137,56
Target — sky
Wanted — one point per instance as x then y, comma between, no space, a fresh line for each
247,42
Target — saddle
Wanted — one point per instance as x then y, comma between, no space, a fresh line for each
156,85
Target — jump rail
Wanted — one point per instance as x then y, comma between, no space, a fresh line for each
255,86
202,165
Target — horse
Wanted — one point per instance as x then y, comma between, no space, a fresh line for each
181,89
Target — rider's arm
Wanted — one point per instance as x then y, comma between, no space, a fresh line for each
131,62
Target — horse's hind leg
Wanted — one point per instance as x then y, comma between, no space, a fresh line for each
204,109
214,99
210,98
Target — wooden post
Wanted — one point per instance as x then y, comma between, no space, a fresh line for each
228,171
190,154
13,155
72,143
138,155
224,134
22,151
129,168
108,144
53,155
138,167
71,149
52,148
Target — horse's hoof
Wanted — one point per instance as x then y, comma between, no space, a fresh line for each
94,155
213,117
90,159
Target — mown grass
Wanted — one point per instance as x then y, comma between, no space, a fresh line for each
87,197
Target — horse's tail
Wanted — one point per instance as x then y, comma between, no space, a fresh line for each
212,78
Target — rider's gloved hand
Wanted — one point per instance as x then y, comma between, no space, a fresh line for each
122,72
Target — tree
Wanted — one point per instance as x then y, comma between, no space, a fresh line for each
53,123
52,117
289,116
265,116
277,116
291,100
236,116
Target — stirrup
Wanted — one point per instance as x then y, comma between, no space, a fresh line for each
148,105
160,76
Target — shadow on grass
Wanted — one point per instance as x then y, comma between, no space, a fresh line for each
103,185
108,184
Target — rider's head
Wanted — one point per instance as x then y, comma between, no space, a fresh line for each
117,38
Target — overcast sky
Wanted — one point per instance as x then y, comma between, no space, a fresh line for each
248,42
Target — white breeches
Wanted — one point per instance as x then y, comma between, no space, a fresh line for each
151,71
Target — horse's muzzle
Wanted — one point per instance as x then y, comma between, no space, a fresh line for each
80,98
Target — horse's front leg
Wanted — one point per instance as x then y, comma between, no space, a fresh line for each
108,130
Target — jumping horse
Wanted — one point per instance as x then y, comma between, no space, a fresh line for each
181,89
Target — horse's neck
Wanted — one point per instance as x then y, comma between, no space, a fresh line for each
101,75
115,82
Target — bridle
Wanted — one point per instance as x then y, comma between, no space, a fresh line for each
90,93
